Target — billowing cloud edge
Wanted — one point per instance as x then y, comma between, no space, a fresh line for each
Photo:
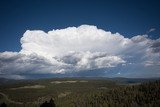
76,49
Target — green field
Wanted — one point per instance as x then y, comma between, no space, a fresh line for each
82,92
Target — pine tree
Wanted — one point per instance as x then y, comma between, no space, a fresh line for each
3,105
52,103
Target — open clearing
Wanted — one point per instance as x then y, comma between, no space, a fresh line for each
60,82
63,94
29,87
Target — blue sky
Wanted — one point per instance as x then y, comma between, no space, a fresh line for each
129,18
91,37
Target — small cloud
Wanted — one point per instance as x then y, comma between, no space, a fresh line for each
124,64
118,73
152,63
151,30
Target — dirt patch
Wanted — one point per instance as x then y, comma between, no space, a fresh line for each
103,88
83,81
60,82
63,94
29,87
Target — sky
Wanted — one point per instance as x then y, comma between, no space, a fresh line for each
79,38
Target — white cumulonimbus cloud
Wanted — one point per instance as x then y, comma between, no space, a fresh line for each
75,49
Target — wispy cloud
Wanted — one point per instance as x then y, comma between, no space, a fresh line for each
151,30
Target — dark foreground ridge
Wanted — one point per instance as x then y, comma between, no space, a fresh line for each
48,104
3,105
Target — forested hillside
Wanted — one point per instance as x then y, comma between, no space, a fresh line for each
81,93
144,95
